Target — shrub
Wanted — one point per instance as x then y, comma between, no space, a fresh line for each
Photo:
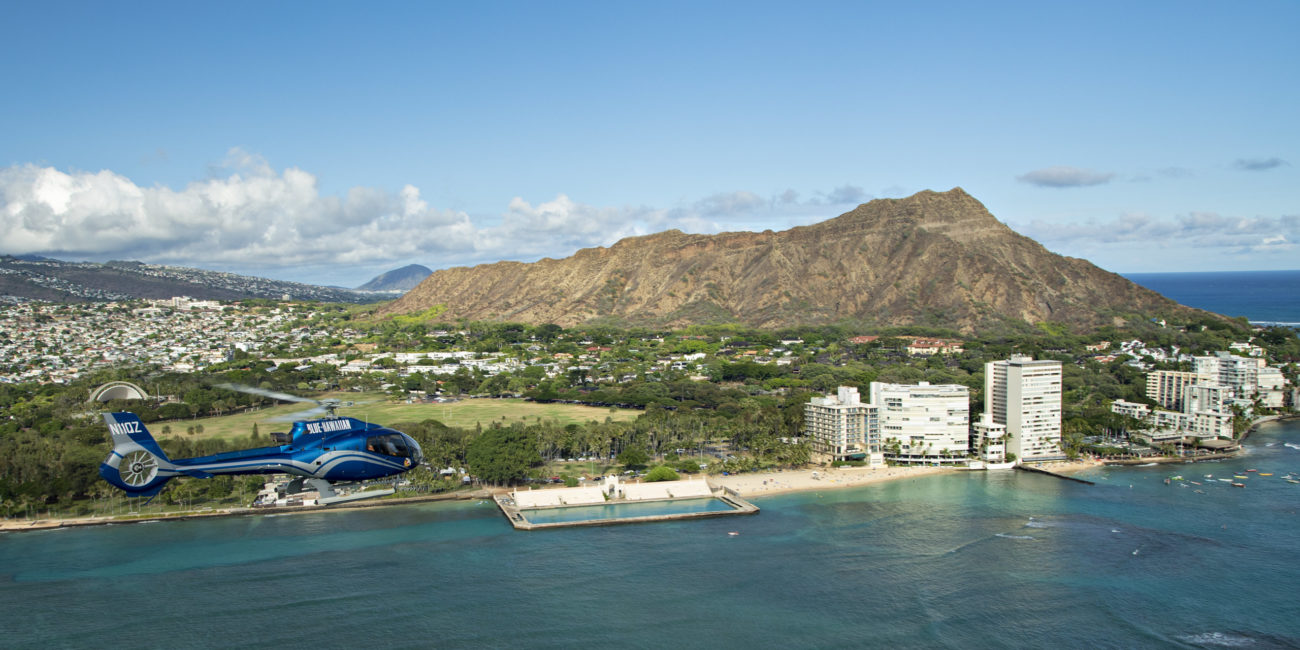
661,473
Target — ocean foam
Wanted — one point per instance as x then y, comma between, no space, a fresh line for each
1006,536
1218,639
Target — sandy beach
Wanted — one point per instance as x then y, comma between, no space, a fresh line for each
753,485
1069,467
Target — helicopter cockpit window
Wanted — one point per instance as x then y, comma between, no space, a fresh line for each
389,445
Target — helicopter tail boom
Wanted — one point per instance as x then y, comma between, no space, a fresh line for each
137,464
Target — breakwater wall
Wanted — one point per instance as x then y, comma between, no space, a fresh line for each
1036,470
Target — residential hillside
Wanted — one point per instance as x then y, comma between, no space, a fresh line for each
934,258
403,279
59,281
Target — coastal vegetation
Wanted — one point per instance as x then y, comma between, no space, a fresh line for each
736,406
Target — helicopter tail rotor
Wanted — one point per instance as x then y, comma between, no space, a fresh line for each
137,465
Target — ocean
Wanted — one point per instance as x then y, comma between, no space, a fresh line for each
962,560
1265,297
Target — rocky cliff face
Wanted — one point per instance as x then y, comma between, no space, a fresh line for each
935,258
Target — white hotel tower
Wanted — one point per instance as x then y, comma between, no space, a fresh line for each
1025,395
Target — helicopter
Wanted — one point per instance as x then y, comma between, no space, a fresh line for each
322,453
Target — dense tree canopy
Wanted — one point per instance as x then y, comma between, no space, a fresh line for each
502,455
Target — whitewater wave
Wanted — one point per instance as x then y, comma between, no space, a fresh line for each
1291,445
1147,465
1006,536
1221,639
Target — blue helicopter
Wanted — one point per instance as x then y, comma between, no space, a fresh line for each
319,452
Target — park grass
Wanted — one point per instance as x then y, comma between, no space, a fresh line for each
378,409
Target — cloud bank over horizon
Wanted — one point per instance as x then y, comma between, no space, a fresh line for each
247,215
1218,234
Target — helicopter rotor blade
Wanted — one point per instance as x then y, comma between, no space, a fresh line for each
299,415
253,390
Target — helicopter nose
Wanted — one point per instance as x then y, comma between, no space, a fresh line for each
417,454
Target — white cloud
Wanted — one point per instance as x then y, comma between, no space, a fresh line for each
1064,176
1204,230
253,216
249,216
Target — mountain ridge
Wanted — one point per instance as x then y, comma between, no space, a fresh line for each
55,280
934,258
403,279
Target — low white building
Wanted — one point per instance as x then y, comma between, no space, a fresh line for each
989,440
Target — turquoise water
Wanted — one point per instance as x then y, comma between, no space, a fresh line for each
624,510
965,560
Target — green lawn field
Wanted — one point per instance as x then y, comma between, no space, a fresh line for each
377,408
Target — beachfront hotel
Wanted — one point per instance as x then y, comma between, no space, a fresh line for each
1025,396
842,427
923,423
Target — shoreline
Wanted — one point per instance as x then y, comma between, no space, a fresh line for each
749,485
19,525
746,485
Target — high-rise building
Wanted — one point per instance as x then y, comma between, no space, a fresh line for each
843,427
1240,375
1167,387
1025,395
923,423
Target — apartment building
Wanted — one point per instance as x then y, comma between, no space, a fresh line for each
842,427
1025,396
923,423
1167,387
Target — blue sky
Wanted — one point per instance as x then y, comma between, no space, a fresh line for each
327,142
